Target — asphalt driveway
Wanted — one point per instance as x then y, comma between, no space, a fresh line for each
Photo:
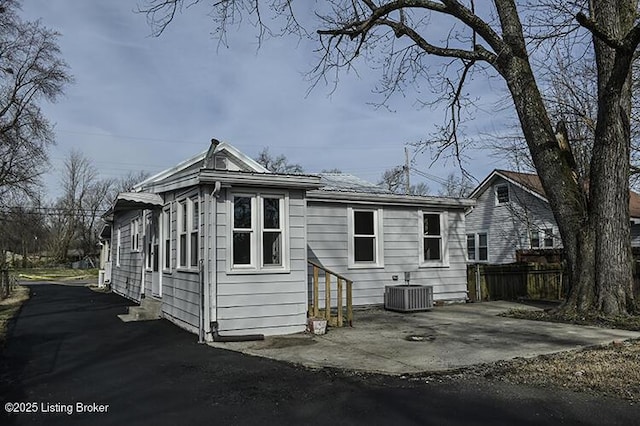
68,350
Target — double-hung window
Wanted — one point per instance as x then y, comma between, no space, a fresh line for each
188,222
548,238
271,231
541,238
166,237
433,244
535,239
118,244
477,247
193,239
134,231
502,194
258,240
182,233
365,242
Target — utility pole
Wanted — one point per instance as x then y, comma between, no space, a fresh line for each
407,183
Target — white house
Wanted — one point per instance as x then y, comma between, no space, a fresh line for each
221,242
512,213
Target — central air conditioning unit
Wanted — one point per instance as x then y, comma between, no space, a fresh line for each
408,298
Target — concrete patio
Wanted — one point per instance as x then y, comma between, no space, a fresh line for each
440,339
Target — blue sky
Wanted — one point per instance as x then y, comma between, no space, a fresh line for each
141,102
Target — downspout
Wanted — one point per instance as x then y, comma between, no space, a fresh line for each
202,282
213,269
207,264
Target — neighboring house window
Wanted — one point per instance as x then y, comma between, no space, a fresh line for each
502,194
135,234
548,238
535,239
471,247
166,236
546,241
477,247
258,231
365,242
433,245
483,247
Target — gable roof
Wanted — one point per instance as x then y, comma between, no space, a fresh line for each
216,148
531,183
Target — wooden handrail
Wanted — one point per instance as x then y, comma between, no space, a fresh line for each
312,263
314,309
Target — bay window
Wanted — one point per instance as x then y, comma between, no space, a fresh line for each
258,240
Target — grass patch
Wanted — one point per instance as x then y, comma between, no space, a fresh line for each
9,308
55,274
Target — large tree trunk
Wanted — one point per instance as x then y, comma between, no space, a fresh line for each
609,180
594,221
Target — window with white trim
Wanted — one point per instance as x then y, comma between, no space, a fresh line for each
365,241
271,231
182,233
119,240
534,239
548,238
541,238
502,194
134,231
477,247
166,237
188,221
194,252
433,239
258,232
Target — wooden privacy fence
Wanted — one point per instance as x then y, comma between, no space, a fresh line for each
314,308
535,281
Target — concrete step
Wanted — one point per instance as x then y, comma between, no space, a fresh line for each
149,309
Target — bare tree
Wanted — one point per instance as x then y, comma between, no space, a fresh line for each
278,164
31,71
455,186
593,221
77,213
395,180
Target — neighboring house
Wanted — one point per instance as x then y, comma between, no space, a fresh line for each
219,239
512,213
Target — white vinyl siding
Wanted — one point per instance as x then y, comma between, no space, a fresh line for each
267,298
508,227
328,241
